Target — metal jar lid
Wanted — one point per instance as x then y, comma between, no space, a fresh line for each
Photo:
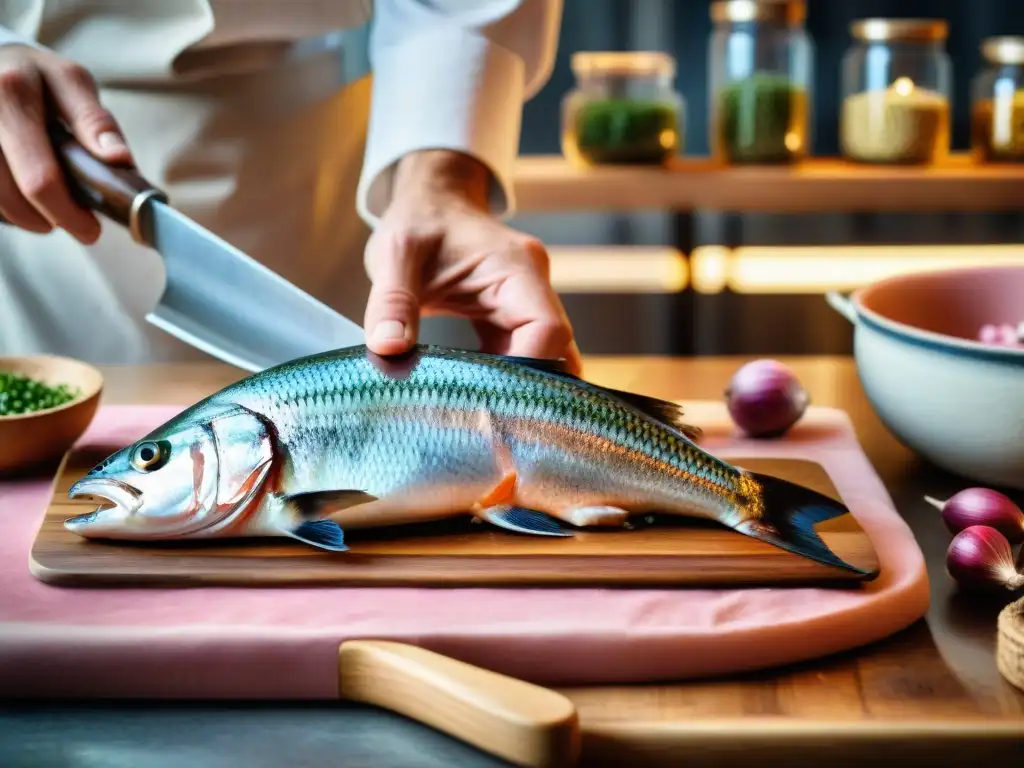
623,64
900,30
1003,50
739,11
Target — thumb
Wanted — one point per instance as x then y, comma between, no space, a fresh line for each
76,96
393,308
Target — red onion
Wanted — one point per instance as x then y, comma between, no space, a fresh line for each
765,399
981,506
980,556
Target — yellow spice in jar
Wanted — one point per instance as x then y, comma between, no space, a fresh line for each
997,128
900,124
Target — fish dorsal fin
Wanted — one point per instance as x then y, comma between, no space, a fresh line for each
664,411
545,364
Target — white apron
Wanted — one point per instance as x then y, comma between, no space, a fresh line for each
259,142
269,161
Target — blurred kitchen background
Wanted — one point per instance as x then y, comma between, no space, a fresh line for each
658,281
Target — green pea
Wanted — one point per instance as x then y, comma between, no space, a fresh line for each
22,394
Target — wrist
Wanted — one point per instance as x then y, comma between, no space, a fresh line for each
442,174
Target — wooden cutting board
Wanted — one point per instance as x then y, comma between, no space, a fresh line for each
453,553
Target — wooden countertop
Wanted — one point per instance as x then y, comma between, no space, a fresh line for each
550,183
930,694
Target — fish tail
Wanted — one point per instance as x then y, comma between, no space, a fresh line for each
784,514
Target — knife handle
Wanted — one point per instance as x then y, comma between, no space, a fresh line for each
522,723
118,192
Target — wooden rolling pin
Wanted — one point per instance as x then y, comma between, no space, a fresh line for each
522,723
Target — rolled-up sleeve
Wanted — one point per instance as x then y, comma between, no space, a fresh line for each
453,75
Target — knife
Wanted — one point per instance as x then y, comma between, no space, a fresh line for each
215,297
521,723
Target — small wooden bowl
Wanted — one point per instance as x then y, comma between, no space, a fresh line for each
1010,643
31,439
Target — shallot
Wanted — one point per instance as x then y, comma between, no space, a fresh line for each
980,556
765,398
981,506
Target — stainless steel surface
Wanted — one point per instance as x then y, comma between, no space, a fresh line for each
212,735
229,305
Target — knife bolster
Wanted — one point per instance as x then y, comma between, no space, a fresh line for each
118,192
138,224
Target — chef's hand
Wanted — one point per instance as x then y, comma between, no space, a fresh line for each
33,194
438,250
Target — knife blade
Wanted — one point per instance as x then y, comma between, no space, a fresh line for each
216,298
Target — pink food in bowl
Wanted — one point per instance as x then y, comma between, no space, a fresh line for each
1004,335
976,304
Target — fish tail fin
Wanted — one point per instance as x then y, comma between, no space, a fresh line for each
788,516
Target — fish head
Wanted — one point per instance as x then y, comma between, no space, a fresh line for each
178,481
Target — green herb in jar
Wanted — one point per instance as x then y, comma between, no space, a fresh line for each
762,119
22,394
624,131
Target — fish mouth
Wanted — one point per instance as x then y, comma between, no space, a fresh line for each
126,498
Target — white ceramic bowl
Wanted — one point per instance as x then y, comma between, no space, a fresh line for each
952,399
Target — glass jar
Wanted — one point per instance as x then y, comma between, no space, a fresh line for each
997,102
760,70
623,110
897,92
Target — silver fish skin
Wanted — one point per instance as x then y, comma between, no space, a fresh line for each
347,440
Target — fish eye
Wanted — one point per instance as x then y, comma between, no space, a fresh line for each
148,456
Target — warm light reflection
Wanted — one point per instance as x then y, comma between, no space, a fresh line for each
709,268
815,269
903,86
617,269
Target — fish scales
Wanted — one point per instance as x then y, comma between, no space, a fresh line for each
348,439
351,402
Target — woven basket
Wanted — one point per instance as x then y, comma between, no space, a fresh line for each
1010,643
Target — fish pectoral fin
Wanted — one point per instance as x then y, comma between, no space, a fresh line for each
522,520
316,504
325,534
597,516
503,491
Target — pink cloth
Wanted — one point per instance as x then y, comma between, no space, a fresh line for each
282,642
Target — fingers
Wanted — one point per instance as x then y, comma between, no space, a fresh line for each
547,334
77,99
535,322
392,316
38,181
573,359
15,208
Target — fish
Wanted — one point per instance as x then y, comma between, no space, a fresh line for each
347,440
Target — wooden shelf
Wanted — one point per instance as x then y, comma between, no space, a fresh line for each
550,183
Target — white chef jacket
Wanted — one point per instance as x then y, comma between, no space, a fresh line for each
243,112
